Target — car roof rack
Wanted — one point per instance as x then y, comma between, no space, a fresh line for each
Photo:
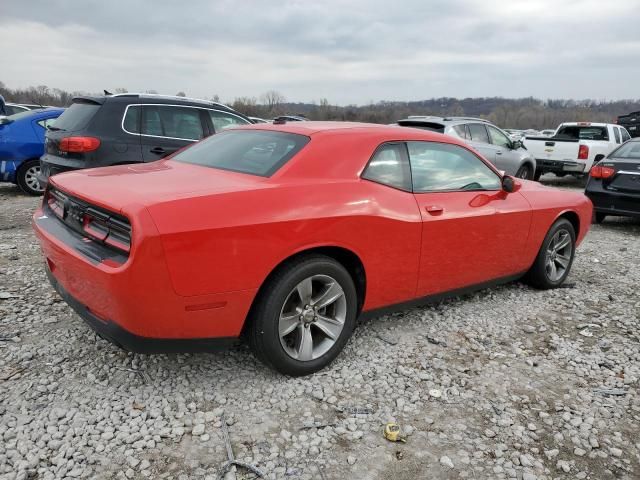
476,119
172,97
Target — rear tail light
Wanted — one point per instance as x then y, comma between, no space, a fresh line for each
602,172
79,144
583,152
106,229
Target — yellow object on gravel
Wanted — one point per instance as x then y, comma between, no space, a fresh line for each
392,433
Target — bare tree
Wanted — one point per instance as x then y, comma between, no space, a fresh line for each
273,101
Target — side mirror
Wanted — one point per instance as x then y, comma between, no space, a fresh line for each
5,121
508,184
516,144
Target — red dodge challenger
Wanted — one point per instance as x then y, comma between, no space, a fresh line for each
287,233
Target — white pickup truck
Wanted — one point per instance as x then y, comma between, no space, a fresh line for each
574,147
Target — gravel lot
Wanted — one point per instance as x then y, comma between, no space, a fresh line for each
506,383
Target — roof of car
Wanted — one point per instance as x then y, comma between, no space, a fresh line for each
151,98
445,119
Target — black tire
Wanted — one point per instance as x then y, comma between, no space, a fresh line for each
599,217
537,276
263,327
525,172
537,175
25,177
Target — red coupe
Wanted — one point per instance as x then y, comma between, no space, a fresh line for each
287,233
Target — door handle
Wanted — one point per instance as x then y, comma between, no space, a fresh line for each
498,152
434,209
158,150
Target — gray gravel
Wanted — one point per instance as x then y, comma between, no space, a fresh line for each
506,383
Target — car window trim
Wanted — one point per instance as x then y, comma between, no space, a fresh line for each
169,105
486,131
453,190
404,154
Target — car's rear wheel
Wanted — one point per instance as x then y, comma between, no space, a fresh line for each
27,177
554,260
304,315
525,172
599,217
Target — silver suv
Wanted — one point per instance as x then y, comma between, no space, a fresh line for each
494,144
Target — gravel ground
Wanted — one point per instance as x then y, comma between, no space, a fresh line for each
506,383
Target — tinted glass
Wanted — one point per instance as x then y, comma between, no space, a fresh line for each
46,122
498,138
173,122
131,121
461,131
625,135
389,167
443,167
222,120
433,126
13,110
478,133
583,133
77,116
257,152
628,150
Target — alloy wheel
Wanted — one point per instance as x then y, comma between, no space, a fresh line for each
312,317
31,179
558,255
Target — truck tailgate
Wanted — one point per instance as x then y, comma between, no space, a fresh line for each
545,148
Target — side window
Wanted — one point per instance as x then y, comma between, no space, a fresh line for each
461,131
222,120
478,133
616,133
131,121
441,167
625,135
498,138
46,122
389,166
172,121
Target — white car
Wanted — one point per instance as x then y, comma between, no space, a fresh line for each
575,147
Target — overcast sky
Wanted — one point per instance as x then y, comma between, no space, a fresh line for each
346,51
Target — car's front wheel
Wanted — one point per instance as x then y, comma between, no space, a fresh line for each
304,315
27,177
525,172
554,260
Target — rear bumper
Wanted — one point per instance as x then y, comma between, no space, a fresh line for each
613,203
131,301
557,166
131,342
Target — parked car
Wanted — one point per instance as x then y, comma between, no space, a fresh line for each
258,120
130,128
547,133
575,147
22,144
614,183
12,109
631,122
506,154
287,233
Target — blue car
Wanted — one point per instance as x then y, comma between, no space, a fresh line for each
22,145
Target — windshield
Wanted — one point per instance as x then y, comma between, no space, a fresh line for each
76,117
256,152
630,150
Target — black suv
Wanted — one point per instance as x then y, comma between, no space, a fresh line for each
129,128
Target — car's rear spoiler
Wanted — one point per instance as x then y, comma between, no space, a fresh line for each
91,100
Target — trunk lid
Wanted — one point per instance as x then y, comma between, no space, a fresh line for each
150,183
626,178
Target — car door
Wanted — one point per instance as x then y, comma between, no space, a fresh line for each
479,139
168,128
506,158
472,231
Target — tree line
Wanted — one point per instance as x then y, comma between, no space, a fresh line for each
519,113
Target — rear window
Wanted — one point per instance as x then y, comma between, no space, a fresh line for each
76,117
433,126
627,150
256,152
575,132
